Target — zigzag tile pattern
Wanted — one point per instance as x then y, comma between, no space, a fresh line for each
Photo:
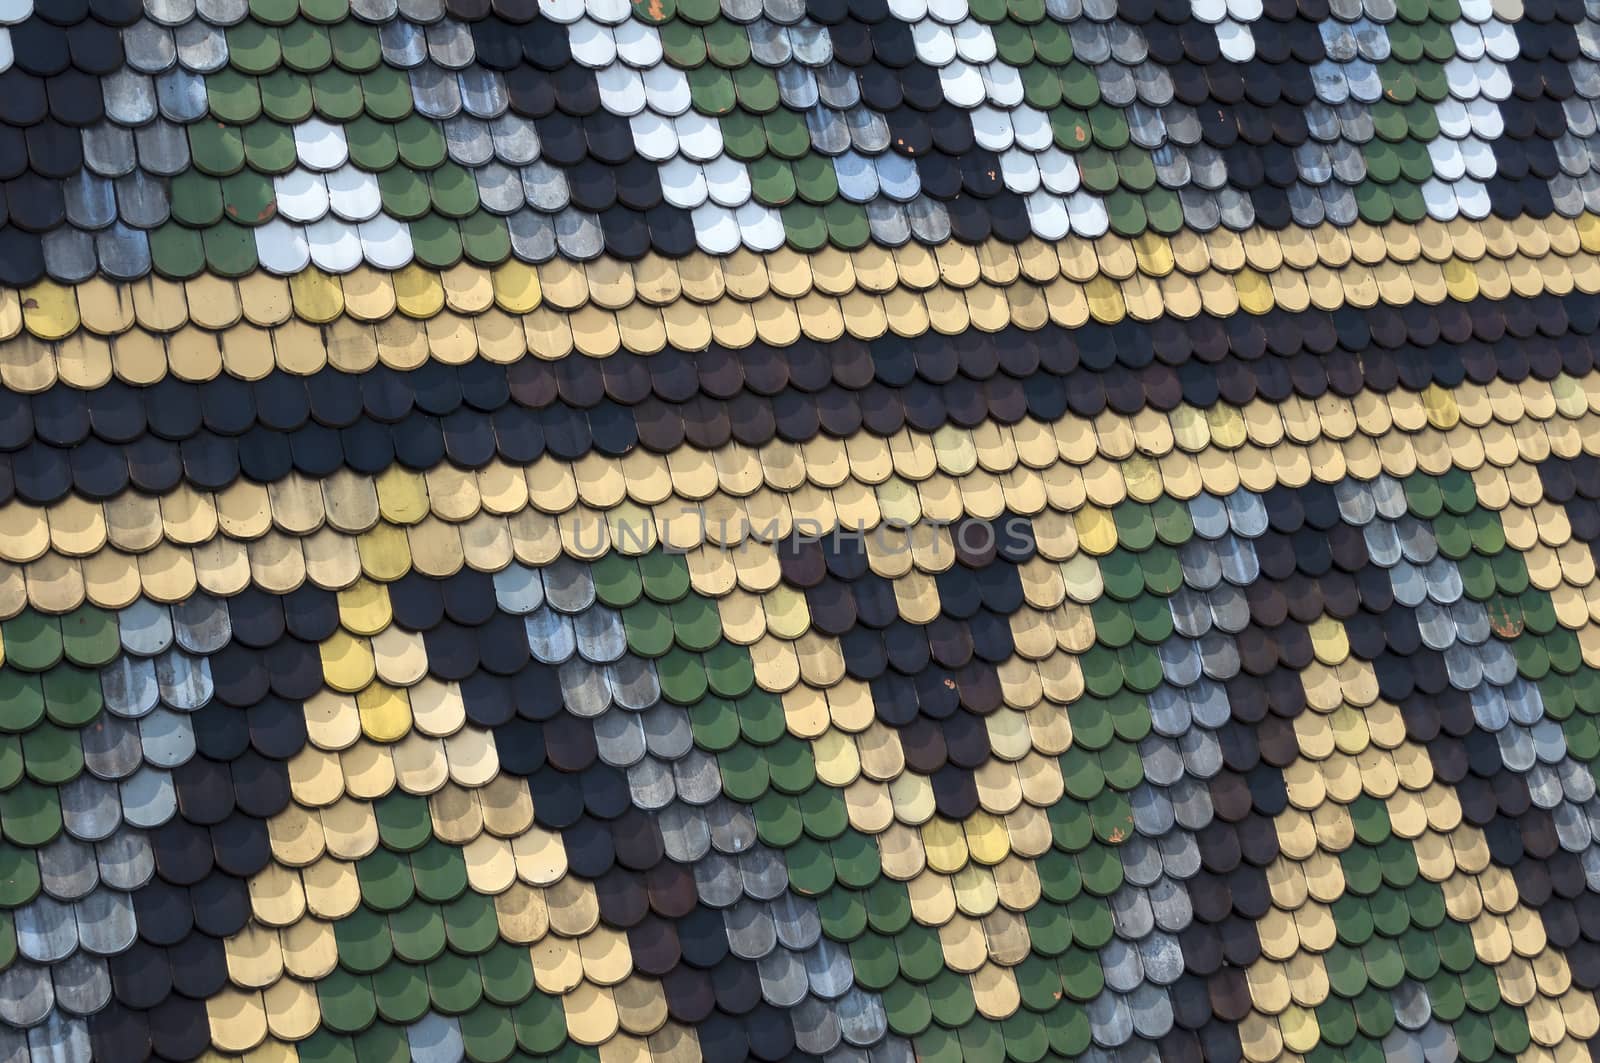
1204,722
801,531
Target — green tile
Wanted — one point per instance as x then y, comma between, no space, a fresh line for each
386,882
286,96
711,90
1069,1029
363,941
950,999
248,198
1081,774
19,875
715,723
470,924
791,765
921,956
347,1003
1082,977
779,823
616,580
436,241
665,576
454,985
1052,42
306,46
1337,1021
824,812
404,823
539,1024
856,860
1152,618
654,12
1373,203
815,179
1013,44
53,755
906,1007
31,814
696,623
1346,970
336,95
372,145
1050,926
269,146
1080,88
196,199
71,696
682,676
325,1047
1024,1037
744,772
230,250
1038,982
1456,951
325,11
1041,89
1141,667
843,913
356,47
848,226
454,190
683,44
811,870
1374,1013
234,98
253,48
32,641
387,93
1474,1037
175,251
1092,924
488,1034
939,1045
787,134
417,931
12,764
1352,919
727,44
1420,956
1093,723
874,960
507,971
699,12
756,88
401,991
1071,826
440,872
1113,622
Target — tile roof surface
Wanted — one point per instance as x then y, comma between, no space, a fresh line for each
804,531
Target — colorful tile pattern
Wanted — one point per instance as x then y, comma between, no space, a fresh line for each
224,136
836,532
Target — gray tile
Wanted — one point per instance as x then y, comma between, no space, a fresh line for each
91,809
67,868
106,922
26,994
47,930
82,987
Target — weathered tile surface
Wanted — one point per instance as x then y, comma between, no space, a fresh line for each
911,532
